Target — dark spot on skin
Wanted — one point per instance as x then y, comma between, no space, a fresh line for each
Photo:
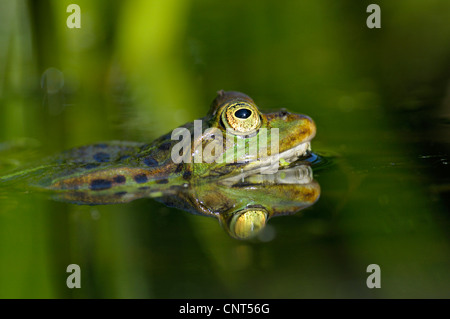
165,146
179,168
100,184
101,145
102,157
120,194
119,179
144,188
140,178
187,175
150,161
162,181
91,165
124,157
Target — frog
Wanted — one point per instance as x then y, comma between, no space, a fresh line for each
122,171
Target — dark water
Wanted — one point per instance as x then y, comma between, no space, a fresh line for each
380,100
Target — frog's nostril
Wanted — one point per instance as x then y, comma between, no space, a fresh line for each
283,112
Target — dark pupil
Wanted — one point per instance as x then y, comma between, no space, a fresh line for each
243,113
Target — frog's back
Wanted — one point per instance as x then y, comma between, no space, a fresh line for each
96,172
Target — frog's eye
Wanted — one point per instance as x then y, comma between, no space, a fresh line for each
246,223
243,118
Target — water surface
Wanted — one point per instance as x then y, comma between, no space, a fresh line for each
379,98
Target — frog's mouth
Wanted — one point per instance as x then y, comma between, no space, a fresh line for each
293,154
271,164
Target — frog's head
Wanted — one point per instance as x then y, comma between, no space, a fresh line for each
233,121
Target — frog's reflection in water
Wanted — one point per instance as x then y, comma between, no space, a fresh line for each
244,204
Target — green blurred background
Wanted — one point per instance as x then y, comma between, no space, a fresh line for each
137,69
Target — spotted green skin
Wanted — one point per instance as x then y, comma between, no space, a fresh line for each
119,172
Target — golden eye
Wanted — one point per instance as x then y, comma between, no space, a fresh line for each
243,118
247,223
